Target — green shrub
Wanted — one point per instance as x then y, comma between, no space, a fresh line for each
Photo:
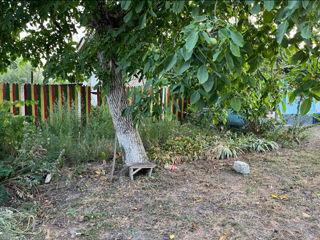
11,130
23,159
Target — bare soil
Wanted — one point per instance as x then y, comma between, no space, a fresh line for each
279,199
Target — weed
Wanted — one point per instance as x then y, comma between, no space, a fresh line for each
14,223
251,189
81,142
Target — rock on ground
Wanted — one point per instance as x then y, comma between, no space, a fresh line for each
241,167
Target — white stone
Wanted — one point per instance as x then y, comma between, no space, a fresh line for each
241,167
48,178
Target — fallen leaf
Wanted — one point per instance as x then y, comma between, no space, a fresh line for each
283,197
171,236
223,238
194,226
306,215
98,172
48,205
274,196
299,232
198,200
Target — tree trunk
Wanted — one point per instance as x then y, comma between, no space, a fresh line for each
128,137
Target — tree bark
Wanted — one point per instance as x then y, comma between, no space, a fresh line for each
128,136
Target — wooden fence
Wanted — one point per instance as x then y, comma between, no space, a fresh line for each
48,97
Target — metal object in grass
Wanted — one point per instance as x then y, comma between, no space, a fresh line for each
241,167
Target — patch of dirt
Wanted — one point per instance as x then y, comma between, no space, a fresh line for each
201,200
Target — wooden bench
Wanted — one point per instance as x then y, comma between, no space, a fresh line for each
136,167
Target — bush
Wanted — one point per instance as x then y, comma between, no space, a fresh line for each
23,158
11,130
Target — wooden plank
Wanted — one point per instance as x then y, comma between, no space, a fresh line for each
141,165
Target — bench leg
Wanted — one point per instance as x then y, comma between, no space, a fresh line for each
131,173
150,172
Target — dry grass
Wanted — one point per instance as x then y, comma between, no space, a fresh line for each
202,200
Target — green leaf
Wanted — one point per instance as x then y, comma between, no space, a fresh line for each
236,104
202,74
191,41
146,67
200,18
291,97
127,17
185,66
309,84
306,32
251,81
305,3
235,49
195,12
283,104
170,62
139,6
282,30
142,22
177,6
185,54
268,4
226,79
195,97
152,13
216,55
293,4
237,38
223,34
299,56
125,4
256,9
305,106
229,61
206,37
208,85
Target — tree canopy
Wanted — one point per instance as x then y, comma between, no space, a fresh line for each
211,51
204,49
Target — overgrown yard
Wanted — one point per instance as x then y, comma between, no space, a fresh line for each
279,199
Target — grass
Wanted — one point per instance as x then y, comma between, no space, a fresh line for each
81,143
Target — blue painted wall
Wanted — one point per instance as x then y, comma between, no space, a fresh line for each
292,108
291,111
